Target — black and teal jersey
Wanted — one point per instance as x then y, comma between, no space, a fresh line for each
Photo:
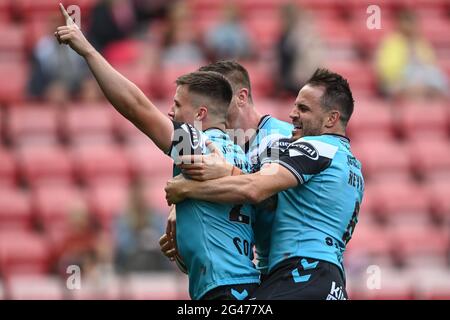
316,218
272,136
215,240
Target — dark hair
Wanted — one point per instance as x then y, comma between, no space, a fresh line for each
209,85
337,92
234,72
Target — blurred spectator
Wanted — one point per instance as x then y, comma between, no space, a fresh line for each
90,91
147,11
229,39
406,63
299,50
181,42
83,244
57,70
111,20
137,237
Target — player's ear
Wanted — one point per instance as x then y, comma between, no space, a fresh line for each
202,112
242,97
332,119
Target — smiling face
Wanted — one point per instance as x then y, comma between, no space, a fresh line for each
182,109
308,117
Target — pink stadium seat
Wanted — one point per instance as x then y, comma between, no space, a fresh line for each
415,239
23,253
49,163
383,159
161,285
156,196
397,199
368,240
260,78
95,162
35,287
29,124
107,201
426,120
86,123
439,192
430,158
54,203
8,168
13,37
264,29
15,210
371,119
360,75
12,88
146,160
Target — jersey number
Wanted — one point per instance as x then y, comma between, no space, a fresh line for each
351,225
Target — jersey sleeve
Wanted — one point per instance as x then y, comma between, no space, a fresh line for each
186,140
305,158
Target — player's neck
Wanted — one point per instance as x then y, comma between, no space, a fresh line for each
212,124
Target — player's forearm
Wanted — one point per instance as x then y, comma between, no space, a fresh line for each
233,189
124,95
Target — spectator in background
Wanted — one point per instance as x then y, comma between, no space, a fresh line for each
229,39
299,49
137,236
405,63
56,71
181,41
111,20
83,244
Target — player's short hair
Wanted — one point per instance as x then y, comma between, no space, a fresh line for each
234,72
212,86
337,92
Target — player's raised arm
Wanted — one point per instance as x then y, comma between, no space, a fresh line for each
124,95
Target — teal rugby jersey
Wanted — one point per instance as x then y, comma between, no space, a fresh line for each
215,240
272,136
316,219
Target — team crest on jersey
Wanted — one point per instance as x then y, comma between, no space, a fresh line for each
303,149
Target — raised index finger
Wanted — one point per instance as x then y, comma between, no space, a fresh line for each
69,21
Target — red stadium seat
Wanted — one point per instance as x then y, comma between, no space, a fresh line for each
368,240
264,28
13,37
35,287
39,164
360,75
107,201
165,285
15,210
439,192
426,120
415,239
12,87
23,253
372,119
260,77
155,195
54,203
399,199
94,162
146,160
30,124
383,159
89,123
8,168
430,158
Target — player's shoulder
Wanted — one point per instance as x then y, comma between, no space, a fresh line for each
314,147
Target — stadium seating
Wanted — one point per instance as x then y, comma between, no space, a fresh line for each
15,210
35,287
147,161
23,253
88,123
97,161
53,203
44,164
8,169
32,124
12,88
430,157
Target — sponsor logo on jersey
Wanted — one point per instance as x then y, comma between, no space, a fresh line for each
304,149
